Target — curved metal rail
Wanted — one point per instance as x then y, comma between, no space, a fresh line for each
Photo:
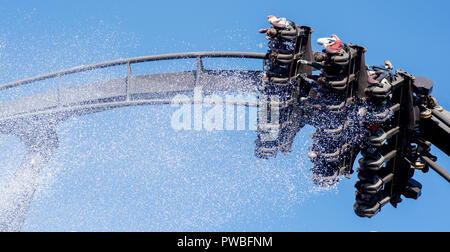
130,90
130,61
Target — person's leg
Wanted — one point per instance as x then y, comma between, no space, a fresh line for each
316,65
383,75
331,52
372,81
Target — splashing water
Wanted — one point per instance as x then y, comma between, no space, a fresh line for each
136,174
127,170
18,192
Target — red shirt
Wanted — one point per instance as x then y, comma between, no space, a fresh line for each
337,46
374,127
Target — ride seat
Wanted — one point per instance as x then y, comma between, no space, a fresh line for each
288,35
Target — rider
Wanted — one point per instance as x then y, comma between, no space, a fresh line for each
277,45
281,23
332,45
378,73
278,24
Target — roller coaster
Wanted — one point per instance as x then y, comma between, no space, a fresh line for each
392,125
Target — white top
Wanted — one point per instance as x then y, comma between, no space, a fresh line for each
325,41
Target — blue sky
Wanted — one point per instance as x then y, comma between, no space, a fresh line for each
127,170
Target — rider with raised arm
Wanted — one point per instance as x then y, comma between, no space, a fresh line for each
378,73
279,24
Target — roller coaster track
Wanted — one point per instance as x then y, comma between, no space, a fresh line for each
130,90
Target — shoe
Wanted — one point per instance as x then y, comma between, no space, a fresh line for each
419,165
425,113
388,64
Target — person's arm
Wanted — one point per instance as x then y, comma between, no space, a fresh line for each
315,65
378,68
335,36
276,23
